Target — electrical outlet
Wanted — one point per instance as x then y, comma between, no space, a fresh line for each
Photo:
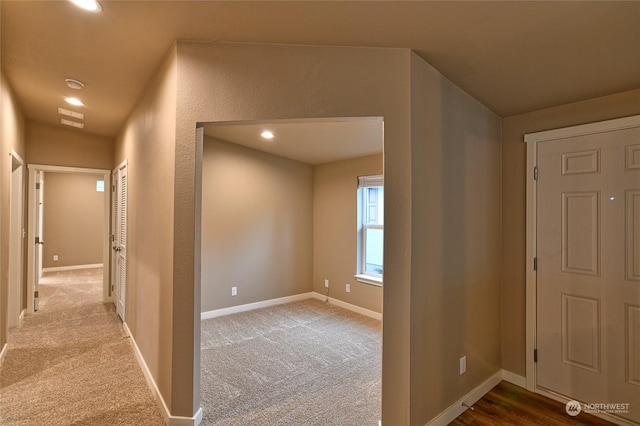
234,291
463,365
348,288
55,257
326,283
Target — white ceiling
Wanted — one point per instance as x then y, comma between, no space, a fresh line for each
512,56
307,141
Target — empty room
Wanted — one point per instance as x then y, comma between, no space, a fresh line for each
291,286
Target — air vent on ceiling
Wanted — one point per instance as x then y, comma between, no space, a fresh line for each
72,123
73,114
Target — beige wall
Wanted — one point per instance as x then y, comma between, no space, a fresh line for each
147,142
59,146
73,219
228,82
12,136
257,213
334,230
513,204
455,243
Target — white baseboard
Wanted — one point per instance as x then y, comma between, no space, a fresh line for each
3,352
349,306
72,267
168,418
450,414
514,379
251,306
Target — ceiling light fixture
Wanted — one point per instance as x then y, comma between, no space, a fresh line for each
267,134
74,84
89,5
74,101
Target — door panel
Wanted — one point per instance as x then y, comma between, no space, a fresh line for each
588,278
119,234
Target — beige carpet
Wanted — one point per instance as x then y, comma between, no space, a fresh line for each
303,363
71,364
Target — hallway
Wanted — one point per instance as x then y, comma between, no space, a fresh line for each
71,362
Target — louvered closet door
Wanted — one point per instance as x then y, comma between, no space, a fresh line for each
588,279
120,241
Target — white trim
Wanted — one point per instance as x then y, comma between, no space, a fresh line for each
22,313
369,279
584,129
348,306
72,267
256,305
14,154
3,352
64,169
295,298
168,418
531,139
514,379
454,410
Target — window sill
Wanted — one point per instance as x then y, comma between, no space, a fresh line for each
368,279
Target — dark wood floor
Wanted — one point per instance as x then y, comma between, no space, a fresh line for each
507,404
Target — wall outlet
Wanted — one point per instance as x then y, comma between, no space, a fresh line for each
326,283
234,291
463,365
55,257
348,288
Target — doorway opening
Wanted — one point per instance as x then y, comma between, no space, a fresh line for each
39,257
16,241
280,224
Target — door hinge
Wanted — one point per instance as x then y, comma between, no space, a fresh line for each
113,188
535,355
35,294
535,263
535,173
37,185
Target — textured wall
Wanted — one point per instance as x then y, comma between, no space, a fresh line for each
230,82
147,142
455,242
334,230
73,219
514,161
257,220
12,136
60,146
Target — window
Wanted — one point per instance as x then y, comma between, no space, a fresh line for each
370,229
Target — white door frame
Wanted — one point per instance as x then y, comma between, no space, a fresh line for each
532,140
106,250
16,240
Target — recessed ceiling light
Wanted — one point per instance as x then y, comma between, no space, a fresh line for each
267,134
71,123
74,101
74,84
90,5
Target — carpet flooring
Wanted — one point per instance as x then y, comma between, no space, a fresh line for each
302,363
71,363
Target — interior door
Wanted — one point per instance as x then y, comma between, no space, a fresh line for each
119,237
588,279
38,233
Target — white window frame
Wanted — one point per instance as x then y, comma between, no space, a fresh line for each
361,275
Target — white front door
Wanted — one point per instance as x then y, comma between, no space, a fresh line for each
119,238
588,279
